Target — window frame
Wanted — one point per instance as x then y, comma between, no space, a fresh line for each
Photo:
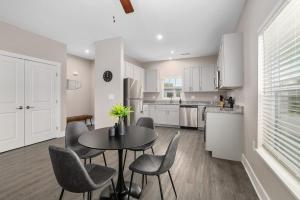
285,176
173,88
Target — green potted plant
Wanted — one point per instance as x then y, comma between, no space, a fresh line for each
120,111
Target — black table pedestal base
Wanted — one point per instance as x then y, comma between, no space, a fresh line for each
107,193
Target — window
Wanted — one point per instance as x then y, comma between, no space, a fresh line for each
172,88
279,87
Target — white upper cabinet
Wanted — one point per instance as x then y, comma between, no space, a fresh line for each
196,79
136,73
208,78
152,80
199,79
187,79
128,70
230,61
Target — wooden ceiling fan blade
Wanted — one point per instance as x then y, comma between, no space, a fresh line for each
127,6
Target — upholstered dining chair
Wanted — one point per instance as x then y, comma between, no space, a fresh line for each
143,122
75,177
154,165
73,131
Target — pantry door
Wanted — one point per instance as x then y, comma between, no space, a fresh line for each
40,102
11,103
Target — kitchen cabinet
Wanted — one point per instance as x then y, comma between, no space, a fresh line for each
224,133
187,83
196,79
152,80
192,79
230,61
208,78
163,114
199,79
134,72
128,70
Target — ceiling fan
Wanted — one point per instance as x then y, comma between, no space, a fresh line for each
127,6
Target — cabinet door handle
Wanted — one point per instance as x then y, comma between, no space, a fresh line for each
29,107
20,108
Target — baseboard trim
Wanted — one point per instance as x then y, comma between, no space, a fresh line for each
60,134
260,190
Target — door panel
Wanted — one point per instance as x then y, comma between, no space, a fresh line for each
40,102
187,80
208,78
11,98
196,71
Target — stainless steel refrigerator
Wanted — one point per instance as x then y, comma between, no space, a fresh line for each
133,97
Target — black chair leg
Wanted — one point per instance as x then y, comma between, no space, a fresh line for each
135,155
114,189
104,159
172,183
125,159
143,181
84,161
146,179
90,160
160,188
152,151
61,194
89,196
130,185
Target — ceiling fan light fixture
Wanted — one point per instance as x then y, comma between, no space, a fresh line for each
127,6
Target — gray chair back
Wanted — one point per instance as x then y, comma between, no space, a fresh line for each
73,131
70,173
170,154
146,122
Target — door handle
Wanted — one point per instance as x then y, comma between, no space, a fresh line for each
20,108
29,107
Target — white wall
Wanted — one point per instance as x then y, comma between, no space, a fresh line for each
79,102
16,40
175,68
255,13
109,56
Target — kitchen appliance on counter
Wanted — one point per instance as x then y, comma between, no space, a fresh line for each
188,116
133,97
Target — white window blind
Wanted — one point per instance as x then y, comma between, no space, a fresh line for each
279,87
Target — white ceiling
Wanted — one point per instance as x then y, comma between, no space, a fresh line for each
188,26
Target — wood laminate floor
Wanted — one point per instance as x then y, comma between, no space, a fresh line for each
26,173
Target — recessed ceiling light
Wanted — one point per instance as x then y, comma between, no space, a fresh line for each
185,54
159,37
172,52
87,51
170,58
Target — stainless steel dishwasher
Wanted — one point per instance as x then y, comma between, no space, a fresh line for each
188,116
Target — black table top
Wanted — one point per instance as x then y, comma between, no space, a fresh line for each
135,137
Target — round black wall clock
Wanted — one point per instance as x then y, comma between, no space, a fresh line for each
107,76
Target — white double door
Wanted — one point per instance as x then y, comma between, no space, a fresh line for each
28,102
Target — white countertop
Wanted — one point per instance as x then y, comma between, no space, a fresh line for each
235,110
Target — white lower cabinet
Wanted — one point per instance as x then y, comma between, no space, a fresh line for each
163,114
224,133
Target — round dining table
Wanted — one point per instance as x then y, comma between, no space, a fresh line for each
135,136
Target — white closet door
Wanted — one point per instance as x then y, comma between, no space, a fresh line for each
11,103
40,102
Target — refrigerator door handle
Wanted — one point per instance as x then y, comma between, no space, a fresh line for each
141,106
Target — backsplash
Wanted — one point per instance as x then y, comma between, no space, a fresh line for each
197,96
